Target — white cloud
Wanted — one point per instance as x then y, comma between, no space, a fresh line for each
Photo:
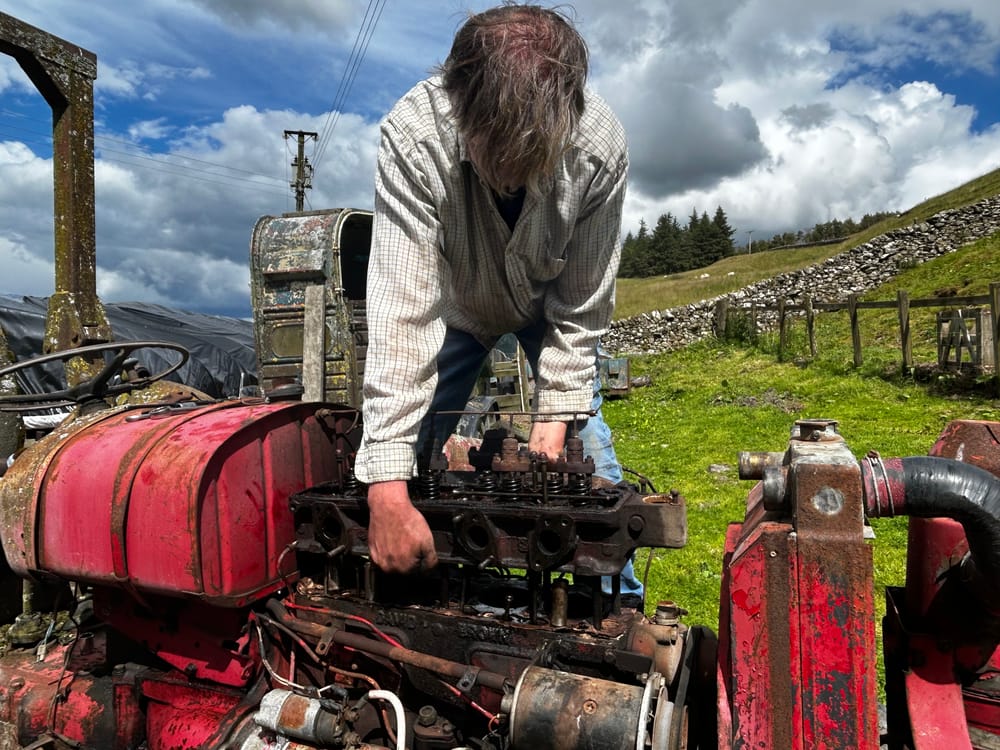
23,272
150,129
785,113
319,15
748,105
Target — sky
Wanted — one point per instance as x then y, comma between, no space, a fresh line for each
784,113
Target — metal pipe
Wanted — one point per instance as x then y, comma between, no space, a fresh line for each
932,487
455,669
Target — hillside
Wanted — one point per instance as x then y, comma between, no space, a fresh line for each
860,269
709,400
638,296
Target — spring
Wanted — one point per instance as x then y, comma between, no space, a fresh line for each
429,484
510,482
554,483
487,481
578,484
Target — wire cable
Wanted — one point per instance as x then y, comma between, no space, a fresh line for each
347,81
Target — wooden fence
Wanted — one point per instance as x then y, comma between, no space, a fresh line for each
952,325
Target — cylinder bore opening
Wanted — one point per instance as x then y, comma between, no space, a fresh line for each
476,538
550,542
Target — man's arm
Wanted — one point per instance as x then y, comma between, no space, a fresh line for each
405,333
579,304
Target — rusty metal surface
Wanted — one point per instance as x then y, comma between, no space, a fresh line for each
84,712
64,74
514,511
942,647
799,610
560,711
179,500
308,274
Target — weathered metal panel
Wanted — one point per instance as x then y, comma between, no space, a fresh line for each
178,501
308,285
799,629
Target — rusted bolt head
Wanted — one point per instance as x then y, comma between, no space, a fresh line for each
589,706
427,716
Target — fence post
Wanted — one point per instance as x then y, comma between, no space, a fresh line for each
995,325
721,317
811,326
906,341
782,333
852,311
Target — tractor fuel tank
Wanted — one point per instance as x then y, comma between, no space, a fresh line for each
186,500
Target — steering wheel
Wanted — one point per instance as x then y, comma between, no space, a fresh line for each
93,389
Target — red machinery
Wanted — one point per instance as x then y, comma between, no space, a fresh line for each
213,558
195,574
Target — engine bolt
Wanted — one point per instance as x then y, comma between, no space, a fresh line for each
427,716
667,613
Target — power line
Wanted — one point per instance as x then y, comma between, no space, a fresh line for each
142,151
327,125
187,158
374,10
168,164
164,162
242,184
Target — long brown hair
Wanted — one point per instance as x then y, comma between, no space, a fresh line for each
515,77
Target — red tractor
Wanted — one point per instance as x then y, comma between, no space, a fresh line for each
194,574
212,560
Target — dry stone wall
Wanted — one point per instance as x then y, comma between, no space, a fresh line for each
852,272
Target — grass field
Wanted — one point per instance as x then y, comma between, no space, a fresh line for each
710,401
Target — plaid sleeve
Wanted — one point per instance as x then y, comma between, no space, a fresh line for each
404,321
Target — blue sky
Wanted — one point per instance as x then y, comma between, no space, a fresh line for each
784,113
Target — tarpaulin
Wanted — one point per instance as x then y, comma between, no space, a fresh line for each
222,349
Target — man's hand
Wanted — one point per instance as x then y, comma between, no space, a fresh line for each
398,535
548,438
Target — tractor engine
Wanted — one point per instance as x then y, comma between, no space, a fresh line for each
211,565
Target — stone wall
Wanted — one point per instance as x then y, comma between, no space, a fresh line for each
855,271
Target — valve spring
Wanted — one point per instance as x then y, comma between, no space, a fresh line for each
510,482
488,481
578,484
554,483
429,485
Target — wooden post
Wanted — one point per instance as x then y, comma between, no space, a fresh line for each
852,311
721,317
782,333
995,325
811,326
905,339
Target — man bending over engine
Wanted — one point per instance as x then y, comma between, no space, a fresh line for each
498,201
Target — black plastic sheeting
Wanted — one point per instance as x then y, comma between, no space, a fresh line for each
222,349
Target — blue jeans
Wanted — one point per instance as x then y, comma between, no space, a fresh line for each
459,363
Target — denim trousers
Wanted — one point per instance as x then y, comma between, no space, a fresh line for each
459,364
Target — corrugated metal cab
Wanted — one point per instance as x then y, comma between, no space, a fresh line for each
180,501
308,276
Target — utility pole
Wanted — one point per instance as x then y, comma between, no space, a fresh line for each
303,169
